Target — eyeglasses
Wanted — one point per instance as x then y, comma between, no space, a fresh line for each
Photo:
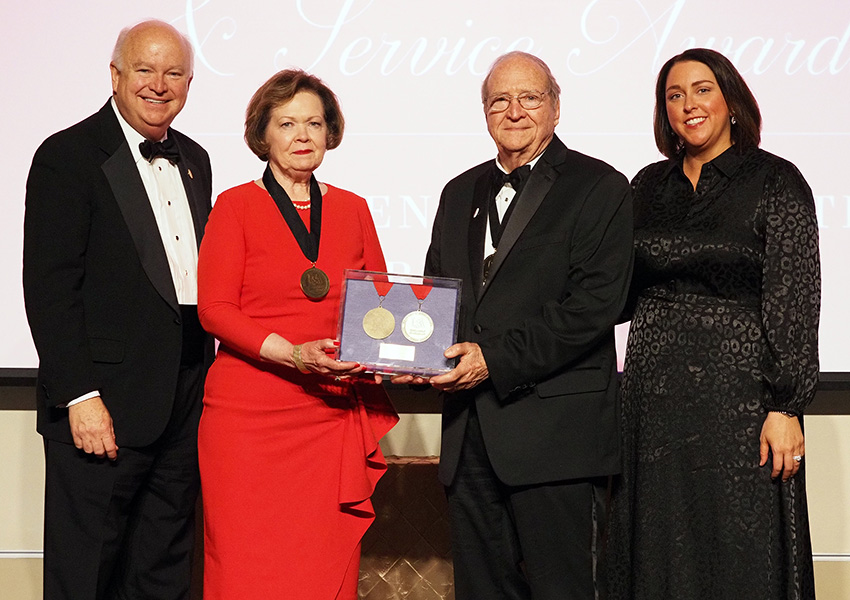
527,100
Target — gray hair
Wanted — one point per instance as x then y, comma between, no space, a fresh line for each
554,89
123,36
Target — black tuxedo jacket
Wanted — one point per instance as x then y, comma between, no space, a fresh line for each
545,318
98,291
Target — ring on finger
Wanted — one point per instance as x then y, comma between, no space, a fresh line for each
797,458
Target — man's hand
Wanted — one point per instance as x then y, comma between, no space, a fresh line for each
91,427
469,372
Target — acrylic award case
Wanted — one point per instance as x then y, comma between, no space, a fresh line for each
415,321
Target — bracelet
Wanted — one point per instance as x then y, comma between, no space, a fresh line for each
296,358
785,413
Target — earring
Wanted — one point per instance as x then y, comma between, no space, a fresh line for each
733,120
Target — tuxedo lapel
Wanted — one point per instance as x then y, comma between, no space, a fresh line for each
542,178
478,229
132,199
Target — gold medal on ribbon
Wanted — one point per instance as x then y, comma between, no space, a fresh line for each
379,323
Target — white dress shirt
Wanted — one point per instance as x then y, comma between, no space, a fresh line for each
503,200
173,216
170,206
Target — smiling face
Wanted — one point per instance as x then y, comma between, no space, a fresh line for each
697,110
151,80
297,136
520,134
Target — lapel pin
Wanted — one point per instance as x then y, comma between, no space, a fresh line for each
476,213
189,171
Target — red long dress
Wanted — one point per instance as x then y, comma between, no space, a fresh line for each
288,461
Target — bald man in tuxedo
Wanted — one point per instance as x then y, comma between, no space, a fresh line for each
115,210
542,239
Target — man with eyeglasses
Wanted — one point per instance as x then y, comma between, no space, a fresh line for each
542,239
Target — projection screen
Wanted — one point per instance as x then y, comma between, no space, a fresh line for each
408,76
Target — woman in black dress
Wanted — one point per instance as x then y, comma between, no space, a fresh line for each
722,357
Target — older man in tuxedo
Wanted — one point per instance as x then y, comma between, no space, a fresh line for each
542,239
115,210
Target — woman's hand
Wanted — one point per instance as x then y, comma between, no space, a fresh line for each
781,435
315,359
314,356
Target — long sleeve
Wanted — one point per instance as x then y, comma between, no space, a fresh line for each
221,270
432,258
790,300
639,195
596,287
56,238
250,266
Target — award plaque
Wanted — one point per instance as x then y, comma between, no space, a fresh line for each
425,309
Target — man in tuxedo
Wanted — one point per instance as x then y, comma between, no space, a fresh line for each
542,239
115,210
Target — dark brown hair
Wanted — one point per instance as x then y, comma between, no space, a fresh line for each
277,91
746,132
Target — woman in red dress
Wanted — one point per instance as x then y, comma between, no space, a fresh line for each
289,437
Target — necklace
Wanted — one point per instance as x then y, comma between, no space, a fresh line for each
301,204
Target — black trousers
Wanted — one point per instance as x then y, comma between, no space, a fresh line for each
124,529
539,542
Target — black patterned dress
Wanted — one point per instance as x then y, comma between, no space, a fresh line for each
724,329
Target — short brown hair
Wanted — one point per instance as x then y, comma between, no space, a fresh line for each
746,132
277,91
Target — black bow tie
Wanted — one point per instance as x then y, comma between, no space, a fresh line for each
166,149
516,178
